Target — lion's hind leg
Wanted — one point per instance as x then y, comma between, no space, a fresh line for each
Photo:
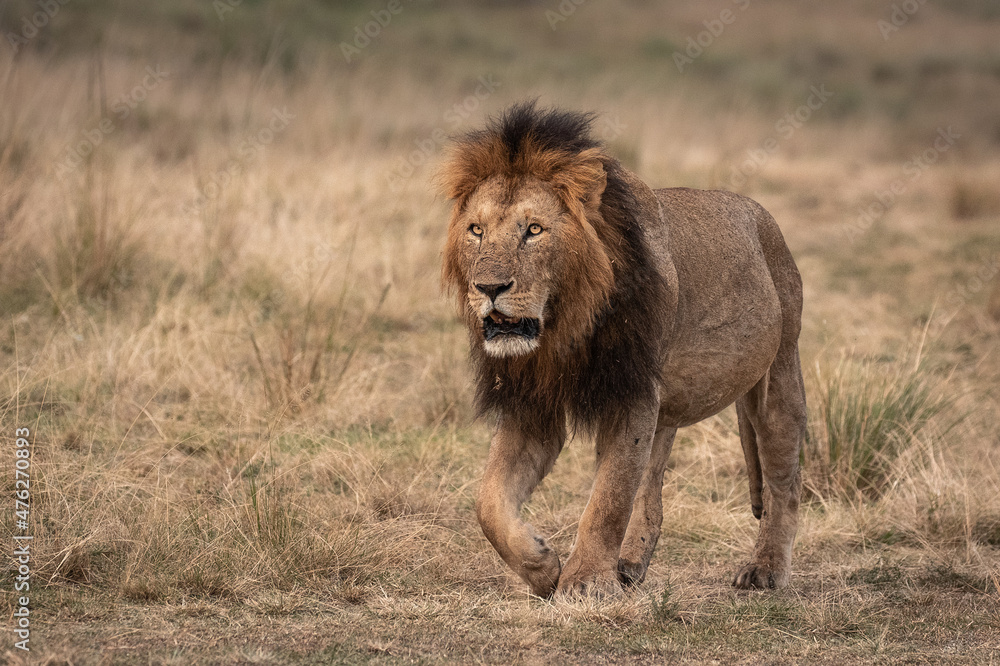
647,513
775,410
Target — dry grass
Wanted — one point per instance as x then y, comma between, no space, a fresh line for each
252,433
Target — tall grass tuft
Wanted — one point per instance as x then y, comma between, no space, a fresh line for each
270,515
98,252
870,414
315,342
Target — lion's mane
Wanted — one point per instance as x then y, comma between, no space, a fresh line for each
601,349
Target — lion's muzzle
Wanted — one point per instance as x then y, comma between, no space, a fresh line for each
498,323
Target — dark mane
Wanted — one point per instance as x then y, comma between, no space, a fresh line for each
624,360
552,130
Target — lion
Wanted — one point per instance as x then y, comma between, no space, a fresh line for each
596,303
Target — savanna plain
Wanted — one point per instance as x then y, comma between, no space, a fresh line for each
251,429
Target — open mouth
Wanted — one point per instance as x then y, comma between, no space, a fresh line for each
498,323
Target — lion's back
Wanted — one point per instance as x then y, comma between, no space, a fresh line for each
715,244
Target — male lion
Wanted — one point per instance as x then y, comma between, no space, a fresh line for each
632,313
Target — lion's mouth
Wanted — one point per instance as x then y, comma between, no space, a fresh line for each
498,323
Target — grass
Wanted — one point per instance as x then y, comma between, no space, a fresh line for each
870,416
252,433
98,254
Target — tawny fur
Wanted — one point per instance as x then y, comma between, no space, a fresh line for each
657,309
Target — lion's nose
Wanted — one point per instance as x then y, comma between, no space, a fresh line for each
494,290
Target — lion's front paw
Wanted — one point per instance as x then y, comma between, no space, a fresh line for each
541,571
759,576
600,585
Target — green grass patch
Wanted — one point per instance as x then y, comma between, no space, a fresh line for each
870,414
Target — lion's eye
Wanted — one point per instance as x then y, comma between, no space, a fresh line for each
476,230
534,229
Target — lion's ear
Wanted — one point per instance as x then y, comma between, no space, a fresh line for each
467,163
583,179
593,200
457,176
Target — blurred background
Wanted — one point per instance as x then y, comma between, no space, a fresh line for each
219,278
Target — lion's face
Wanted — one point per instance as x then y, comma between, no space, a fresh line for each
523,249
508,248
